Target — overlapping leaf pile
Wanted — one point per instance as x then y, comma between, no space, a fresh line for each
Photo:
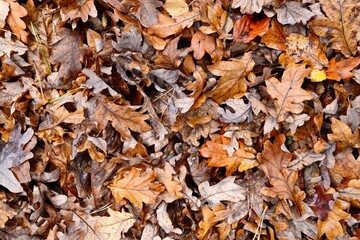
179,119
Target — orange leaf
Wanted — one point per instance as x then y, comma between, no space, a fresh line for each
247,28
15,22
342,134
275,38
341,70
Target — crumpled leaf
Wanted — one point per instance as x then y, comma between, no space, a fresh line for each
96,82
209,219
273,161
249,6
288,94
114,226
341,21
136,186
331,226
122,118
201,44
232,82
342,133
8,46
341,70
164,219
168,26
247,28
77,9
275,38
293,12
225,190
15,22
147,12
67,53
12,155
239,113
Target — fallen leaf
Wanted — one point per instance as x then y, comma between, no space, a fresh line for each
247,28
343,134
292,13
239,111
176,7
249,6
164,220
168,26
172,185
209,218
331,226
147,12
96,82
317,75
273,161
77,9
233,77
12,154
122,118
341,70
275,38
15,22
341,21
288,94
201,44
4,11
67,53
136,186
114,226
225,190
8,46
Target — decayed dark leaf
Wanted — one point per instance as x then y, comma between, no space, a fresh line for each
12,154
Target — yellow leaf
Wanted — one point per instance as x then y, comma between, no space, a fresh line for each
136,187
317,75
176,7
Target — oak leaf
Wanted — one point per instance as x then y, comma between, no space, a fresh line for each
233,77
341,70
274,161
12,154
331,226
288,94
225,190
77,9
8,46
168,26
123,118
249,6
136,186
172,185
96,82
67,53
15,22
239,111
114,226
341,23
342,133
275,38
164,219
293,12
209,219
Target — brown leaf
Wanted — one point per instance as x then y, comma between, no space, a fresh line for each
147,12
176,7
275,38
293,12
341,21
201,44
67,53
122,118
15,22
331,226
343,134
247,28
273,161
77,9
8,46
168,26
249,6
136,186
288,94
232,82
341,70
12,154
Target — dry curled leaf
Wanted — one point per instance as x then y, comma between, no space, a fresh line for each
15,22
